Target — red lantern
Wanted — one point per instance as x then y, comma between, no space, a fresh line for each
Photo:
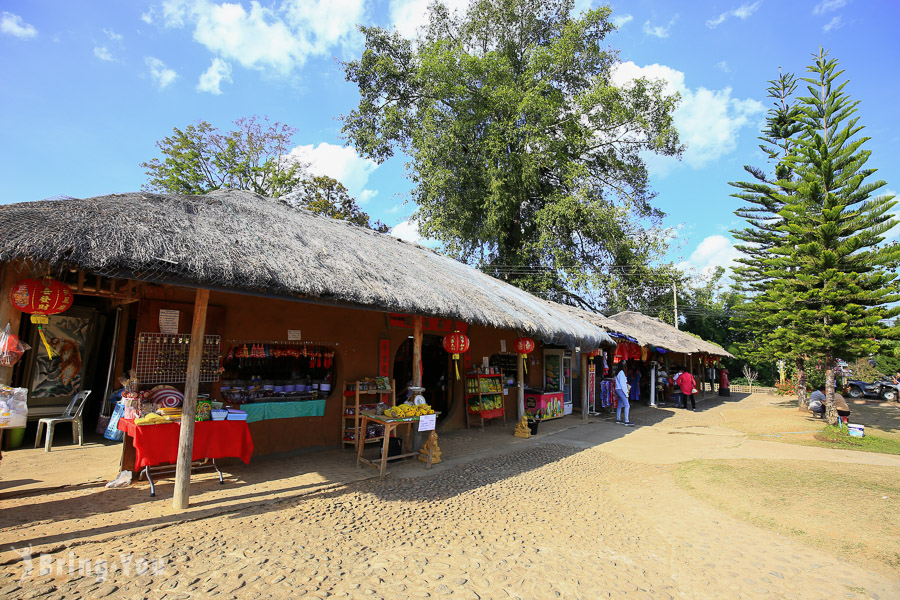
524,346
456,343
40,298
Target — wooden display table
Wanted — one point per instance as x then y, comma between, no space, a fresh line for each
390,426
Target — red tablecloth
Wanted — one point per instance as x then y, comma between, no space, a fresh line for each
158,444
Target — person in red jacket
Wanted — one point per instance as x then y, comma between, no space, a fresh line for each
688,384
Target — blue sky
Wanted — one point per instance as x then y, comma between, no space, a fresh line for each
89,87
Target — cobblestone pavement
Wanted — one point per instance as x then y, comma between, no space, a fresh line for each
548,521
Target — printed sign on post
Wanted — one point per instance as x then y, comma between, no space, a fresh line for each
294,335
427,422
168,320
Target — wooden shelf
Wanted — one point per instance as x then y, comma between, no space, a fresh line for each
352,422
484,413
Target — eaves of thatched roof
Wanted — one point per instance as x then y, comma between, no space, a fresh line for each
659,333
648,331
240,241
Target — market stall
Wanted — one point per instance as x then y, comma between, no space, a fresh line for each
391,424
156,445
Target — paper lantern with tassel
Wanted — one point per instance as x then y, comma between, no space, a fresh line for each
41,298
524,346
456,343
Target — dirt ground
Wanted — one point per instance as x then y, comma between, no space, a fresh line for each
584,511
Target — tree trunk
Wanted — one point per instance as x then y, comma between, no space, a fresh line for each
802,401
830,410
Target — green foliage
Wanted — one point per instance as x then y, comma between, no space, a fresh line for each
254,157
329,197
200,159
818,279
525,158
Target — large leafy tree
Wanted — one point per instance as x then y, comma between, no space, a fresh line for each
837,294
525,157
256,157
328,196
200,159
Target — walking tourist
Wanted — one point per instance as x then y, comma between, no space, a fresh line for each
622,396
688,385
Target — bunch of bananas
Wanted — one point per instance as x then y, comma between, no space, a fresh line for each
403,411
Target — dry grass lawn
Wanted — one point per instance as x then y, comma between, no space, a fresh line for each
777,419
852,511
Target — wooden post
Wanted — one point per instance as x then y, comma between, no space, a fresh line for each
417,350
584,387
520,375
186,441
8,314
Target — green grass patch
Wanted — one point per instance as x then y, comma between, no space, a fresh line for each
832,437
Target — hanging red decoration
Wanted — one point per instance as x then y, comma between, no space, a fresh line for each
41,298
524,346
455,344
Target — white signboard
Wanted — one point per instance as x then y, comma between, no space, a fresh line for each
427,422
294,335
502,345
168,320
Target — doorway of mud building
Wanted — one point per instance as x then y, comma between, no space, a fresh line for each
435,369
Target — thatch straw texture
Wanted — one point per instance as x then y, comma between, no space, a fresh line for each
235,240
659,333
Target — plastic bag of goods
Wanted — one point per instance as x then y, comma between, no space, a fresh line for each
11,348
13,407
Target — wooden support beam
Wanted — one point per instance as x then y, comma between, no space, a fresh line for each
584,387
186,440
8,313
80,281
520,373
418,322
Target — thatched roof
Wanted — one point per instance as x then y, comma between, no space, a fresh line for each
647,331
235,240
659,333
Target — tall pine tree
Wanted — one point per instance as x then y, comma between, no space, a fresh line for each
762,311
836,227
832,281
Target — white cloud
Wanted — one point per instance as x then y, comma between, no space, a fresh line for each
828,5
834,23
147,17
278,39
103,53
394,209
116,37
366,196
714,251
211,80
741,12
660,31
160,73
14,25
723,66
407,230
622,21
409,15
341,163
708,121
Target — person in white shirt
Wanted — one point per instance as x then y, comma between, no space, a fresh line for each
622,396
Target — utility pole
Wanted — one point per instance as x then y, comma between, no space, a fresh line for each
675,300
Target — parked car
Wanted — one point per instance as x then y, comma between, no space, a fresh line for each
882,388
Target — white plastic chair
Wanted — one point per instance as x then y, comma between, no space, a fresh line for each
71,415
